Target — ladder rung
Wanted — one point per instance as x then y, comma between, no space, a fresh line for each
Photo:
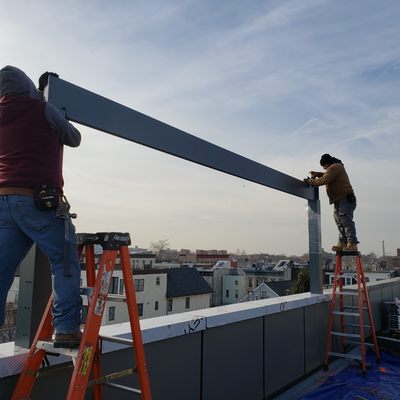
357,325
354,335
355,307
359,343
49,347
347,293
116,339
352,356
348,314
125,388
112,376
117,298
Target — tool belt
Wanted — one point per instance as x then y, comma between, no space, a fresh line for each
46,197
18,191
351,198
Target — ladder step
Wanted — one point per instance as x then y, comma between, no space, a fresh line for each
115,339
357,325
124,388
49,347
353,335
356,307
349,274
110,377
347,293
343,355
358,343
348,253
347,314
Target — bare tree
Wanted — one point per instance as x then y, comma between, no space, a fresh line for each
159,246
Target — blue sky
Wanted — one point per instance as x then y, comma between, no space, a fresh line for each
281,82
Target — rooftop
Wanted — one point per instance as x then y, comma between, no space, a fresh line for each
255,350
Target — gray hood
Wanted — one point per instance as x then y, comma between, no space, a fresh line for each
13,81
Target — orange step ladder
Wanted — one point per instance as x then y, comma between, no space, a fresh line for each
87,358
355,312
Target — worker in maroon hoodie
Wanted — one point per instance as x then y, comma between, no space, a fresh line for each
33,208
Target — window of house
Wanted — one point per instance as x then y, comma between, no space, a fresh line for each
121,286
227,293
236,283
158,281
250,282
187,302
113,288
140,309
139,285
156,305
169,305
236,294
111,313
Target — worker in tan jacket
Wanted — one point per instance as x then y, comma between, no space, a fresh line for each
341,195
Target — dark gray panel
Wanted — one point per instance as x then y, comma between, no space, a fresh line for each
316,329
375,299
396,290
7,386
33,295
387,295
284,349
100,113
233,361
315,250
174,367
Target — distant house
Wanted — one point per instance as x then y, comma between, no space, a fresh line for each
269,290
158,292
186,290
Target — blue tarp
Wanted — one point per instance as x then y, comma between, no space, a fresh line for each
381,383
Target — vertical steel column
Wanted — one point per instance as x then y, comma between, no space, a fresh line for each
34,292
315,252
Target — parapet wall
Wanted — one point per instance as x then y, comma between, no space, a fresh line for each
243,351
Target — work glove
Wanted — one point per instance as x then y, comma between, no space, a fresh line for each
44,78
307,180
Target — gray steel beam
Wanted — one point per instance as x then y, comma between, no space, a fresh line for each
95,111
315,251
33,295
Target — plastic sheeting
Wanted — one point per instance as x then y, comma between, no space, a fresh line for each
381,383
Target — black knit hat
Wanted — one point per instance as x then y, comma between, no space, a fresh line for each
327,159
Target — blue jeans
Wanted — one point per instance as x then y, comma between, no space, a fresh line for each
343,214
21,225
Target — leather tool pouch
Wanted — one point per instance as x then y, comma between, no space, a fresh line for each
46,197
351,198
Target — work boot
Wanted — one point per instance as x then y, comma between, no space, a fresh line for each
339,247
351,247
69,340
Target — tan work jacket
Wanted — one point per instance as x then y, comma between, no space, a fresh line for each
337,182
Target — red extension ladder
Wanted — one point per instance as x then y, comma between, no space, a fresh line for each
351,317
